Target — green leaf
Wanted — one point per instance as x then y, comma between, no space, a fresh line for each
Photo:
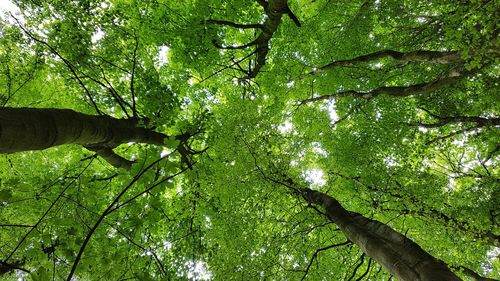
5,195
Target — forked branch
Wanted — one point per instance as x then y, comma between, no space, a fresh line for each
274,11
395,91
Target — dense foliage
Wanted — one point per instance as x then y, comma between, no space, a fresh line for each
390,107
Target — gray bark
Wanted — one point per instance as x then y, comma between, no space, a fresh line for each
24,129
400,256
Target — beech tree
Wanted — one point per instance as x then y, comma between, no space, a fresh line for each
37,128
249,140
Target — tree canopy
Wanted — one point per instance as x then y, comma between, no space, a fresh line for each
250,140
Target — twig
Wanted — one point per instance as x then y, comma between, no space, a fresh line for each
317,252
47,212
68,64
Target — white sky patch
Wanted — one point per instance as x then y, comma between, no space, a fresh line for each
165,152
98,35
318,149
421,19
390,162
332,112
492,255
286,127
315,177
197,270
167,245
8,6
451,184
422,129
163,55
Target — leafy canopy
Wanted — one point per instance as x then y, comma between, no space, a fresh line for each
317,111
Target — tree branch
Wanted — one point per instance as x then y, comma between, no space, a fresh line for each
111,157
435,57
424,210
316,254
46,212
395,91
367,270
444,120
235,25
68,64
240,47
474,275
361,261
104,214
274,10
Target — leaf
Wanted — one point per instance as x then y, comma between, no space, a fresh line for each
41,274
171,142
5,195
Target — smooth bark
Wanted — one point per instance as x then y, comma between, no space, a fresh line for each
24,129
399,255
394,91
274,10
435,57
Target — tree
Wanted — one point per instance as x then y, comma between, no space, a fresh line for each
262,140
35,128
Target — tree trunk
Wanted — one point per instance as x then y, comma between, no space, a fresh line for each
23,129
402,257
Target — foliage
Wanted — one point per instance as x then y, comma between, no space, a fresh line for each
413,162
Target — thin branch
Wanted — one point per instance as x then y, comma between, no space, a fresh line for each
235,25
367,270
361,261
239,47
445,120
150,188
46,212
424,210
490,154
452,134
158,261
16,225
132,76
229,66
68,64
111,208
115,95
313,257
105,213
159,264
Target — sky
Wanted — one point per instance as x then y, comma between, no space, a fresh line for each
7,6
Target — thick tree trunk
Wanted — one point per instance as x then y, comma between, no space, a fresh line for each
402,257
23,129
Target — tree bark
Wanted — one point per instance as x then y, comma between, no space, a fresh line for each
394,91
24,129
435,57
274,11
402,257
